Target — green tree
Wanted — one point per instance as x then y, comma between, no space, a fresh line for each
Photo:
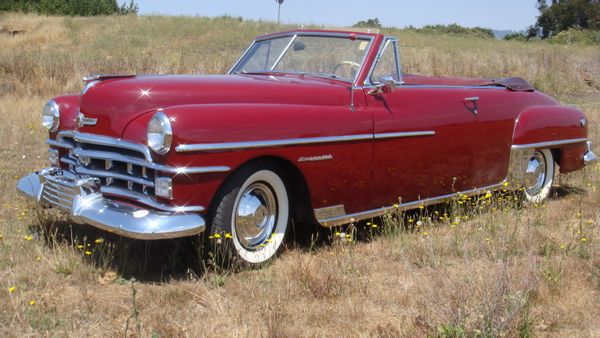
70,7
561,15
370,23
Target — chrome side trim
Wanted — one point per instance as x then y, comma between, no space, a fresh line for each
296,141
359,216
104,155
549,143
267,144
404,134
144,199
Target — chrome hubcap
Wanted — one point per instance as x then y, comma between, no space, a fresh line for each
535,176
255,215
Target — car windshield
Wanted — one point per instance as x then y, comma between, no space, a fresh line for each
326,56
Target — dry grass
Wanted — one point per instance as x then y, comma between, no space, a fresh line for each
491,269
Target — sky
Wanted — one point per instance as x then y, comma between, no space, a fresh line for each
495,14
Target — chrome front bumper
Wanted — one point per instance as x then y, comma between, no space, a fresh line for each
82,200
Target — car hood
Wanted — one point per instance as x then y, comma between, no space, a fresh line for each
114,103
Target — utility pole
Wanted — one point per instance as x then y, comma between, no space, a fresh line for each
279,2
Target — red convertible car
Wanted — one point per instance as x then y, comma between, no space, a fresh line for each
309,126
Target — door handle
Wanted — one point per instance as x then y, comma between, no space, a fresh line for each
471,104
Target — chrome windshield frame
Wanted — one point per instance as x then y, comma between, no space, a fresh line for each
295,34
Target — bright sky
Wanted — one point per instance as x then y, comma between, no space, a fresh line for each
495,14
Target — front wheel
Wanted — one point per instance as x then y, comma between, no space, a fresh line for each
539,176
250,218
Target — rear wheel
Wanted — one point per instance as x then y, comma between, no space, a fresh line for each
250,218
539,176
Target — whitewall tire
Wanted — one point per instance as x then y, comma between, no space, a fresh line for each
251,216
539,176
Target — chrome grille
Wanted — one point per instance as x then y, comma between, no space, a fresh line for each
117,164
59,194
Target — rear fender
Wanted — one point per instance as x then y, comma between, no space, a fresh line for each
562,129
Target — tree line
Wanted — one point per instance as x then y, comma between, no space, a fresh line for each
70,7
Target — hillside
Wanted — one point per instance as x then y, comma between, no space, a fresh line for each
494,268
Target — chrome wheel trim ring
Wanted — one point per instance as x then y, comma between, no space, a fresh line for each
535,175
255,215
265,251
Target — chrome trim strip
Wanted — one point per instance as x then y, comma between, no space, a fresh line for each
340,220
102,173
59,144
144,199
404,134
549,143
296,141
267,144
105,155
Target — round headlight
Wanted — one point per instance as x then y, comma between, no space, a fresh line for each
160,133
51,116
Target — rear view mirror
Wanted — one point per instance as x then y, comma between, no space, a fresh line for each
298,46
386,85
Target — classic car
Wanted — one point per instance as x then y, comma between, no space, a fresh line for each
309,126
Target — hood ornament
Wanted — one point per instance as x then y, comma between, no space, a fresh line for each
81,120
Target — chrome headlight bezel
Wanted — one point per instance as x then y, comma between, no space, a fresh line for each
159,133
51,116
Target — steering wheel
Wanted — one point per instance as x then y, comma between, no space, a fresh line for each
352,65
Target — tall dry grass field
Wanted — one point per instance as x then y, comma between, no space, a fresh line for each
485,266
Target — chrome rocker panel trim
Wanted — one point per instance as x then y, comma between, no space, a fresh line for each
113,216
297,141
359,216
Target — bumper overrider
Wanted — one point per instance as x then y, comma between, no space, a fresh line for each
81,198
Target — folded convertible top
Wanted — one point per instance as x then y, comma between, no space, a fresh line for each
512,83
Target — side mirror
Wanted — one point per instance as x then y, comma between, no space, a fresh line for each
386,85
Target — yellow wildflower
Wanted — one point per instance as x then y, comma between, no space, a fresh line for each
228,235
217,236
99,240
562,246
396,206
505,184
421,207
79,246
373,225
12,289
27,238
32,302
88,252
425,234
584,239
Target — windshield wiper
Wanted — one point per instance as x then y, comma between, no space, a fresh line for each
245,72
317,74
